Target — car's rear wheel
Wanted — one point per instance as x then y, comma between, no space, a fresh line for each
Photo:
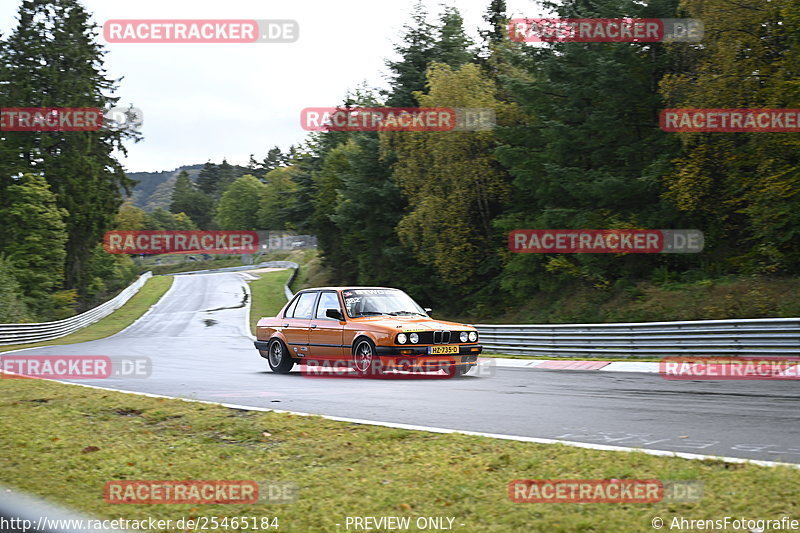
365,359
278,358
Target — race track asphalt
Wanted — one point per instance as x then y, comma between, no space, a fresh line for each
197,340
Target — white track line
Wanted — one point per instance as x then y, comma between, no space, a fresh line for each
249,303
146,313
414,427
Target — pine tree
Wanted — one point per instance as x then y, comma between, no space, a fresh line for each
208,179
453,46
590,153
497,21
51,59
227,175
274,159
415,49
12,302
194,203
33,237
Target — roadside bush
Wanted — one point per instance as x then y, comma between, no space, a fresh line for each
12,303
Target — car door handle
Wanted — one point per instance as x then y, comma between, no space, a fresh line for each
313,326
286,325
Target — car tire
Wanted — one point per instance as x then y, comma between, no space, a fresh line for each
464,369
365,358
453,370
278,357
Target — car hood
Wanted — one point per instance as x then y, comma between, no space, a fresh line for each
413,324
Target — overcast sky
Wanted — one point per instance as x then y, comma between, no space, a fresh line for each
209,101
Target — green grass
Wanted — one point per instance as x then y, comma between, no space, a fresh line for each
650,301
341,468
267,295
311,272
120,319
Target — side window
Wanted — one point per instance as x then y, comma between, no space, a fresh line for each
327,300
290,310
305,305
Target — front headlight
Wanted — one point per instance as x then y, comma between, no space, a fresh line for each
401,338
414,338
473,336
464,336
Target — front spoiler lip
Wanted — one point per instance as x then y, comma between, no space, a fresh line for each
463,349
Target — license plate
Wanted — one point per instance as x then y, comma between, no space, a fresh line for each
439,350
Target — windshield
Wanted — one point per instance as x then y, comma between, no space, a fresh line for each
374,302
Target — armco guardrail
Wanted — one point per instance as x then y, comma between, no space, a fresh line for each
738,337
286,290
45,331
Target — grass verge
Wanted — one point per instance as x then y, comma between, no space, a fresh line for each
120,319
267,296
311,272
65,442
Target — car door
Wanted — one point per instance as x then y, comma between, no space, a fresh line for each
325,334
296,322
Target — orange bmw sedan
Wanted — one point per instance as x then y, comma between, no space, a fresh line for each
371,329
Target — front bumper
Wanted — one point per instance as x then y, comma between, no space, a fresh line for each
392,357
417,351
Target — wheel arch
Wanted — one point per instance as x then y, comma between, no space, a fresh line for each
277,336
360,336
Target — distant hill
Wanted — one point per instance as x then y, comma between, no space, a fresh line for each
154,189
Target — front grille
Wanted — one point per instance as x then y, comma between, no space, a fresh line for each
438,337
441,337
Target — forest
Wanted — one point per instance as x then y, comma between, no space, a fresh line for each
577,145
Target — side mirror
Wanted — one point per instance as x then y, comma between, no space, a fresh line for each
334,313
427,310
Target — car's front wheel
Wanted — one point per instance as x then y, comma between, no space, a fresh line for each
365,359
463,369
454,370
278,358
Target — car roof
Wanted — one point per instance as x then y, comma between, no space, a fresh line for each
347,287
